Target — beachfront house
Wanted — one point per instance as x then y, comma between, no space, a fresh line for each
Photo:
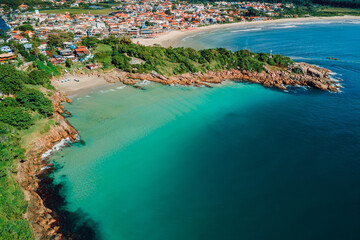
67,53
28,46
20,39
42,48
67,44
6,49
82,53
7,56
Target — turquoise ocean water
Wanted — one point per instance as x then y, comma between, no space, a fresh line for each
238,161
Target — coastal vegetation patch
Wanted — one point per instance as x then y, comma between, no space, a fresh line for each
22,104
174,61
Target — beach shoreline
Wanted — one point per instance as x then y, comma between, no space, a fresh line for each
75,84
172,38
87,82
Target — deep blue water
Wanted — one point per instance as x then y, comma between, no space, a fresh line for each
234,162
303,154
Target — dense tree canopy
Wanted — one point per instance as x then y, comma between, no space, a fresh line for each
35,100
38,77
11,80
25,27
170,61
15,116
57,38
90,42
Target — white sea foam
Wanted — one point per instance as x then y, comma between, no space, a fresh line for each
247,30
64,142
145,82
121,87
285,26
109,90
45,167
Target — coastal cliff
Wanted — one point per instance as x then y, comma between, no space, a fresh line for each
42,219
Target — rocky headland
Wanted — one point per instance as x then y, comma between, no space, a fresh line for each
299,74
43,220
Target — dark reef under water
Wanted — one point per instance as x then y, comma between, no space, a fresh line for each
74,225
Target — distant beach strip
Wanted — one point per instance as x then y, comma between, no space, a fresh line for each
173,38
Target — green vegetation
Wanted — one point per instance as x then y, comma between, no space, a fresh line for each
103,53
57,38
25,27
90,42
18,111
170,61
48,68
11,81
337,11
103,11
12,203
32,99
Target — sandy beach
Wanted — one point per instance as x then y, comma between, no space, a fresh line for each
173,37
83,83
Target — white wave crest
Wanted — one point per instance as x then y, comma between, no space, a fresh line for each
247,30
45,167
64,142
286,26
145,82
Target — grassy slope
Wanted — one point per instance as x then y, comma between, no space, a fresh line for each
41,126
12,208
340,11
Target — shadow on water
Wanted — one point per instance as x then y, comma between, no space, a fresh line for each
75,225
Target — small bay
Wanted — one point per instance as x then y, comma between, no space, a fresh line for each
237,161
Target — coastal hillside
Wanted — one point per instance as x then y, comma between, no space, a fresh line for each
174,61
25,112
